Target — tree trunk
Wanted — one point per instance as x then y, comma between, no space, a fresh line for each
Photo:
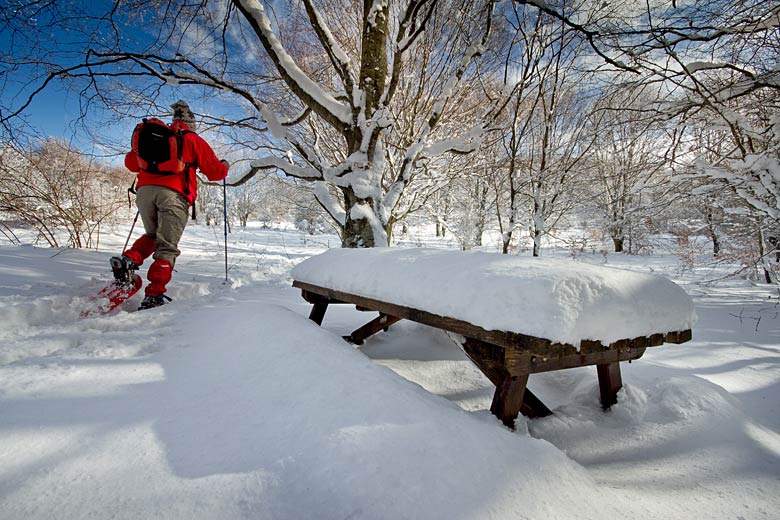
537,236
711,229
358,232
373,61
389,229
768,278
618,244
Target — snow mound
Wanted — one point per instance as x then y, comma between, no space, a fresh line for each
557,299
255,412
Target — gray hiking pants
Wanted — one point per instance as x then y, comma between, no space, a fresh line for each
164,213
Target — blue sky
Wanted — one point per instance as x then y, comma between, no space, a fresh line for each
53,112
56,110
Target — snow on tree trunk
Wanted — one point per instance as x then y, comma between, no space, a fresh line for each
362,228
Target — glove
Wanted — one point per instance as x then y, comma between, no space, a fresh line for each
227,164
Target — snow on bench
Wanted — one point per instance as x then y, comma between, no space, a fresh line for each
516,315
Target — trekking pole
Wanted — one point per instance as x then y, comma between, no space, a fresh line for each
131,190
138,212
224,217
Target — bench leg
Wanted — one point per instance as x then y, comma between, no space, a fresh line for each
610,383
508,399
317,313
533,406
490,361
372,327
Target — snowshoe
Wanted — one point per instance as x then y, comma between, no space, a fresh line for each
113,295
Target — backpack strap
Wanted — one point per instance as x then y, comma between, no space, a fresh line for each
189,168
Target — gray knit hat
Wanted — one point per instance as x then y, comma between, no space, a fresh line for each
182,112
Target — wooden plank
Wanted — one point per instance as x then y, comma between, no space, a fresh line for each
610,382
489,359
524,363
533,406
678,337
509,340
381,322
313,297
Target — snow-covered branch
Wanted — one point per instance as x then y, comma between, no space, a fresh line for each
415,151
329,203
313,95
336,54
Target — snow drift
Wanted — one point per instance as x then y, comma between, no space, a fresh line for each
257,412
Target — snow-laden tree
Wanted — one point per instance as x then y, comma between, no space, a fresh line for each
714,63
465,205
352,95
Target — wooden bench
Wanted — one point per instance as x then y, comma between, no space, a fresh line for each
506,358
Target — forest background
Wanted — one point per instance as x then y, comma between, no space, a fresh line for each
518,121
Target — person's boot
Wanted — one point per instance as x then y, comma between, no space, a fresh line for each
150,302
123,269
159,275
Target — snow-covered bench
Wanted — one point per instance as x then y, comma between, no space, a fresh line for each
515,316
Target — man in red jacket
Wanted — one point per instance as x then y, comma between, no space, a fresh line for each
163,202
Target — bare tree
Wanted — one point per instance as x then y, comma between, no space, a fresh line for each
630,163
547,140
714,61
56,188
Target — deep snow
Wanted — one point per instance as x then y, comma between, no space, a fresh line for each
229,403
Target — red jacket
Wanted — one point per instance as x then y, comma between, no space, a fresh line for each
195,151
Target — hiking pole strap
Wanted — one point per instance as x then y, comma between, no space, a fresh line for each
131,190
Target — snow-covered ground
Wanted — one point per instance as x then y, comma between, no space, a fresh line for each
229,403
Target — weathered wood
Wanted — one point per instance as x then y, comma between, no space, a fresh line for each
489,359
610,382
508,399
533,406
506,358
519,363
317,313
505,339
678,337
313,297
382,322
